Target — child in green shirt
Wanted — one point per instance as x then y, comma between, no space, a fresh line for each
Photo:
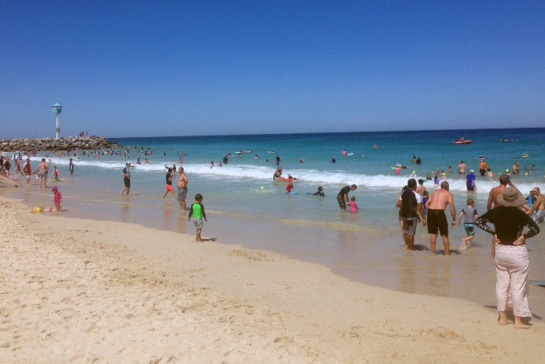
198,213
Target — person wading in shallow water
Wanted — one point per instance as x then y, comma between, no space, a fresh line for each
126,180
437,220
342,197
183,181
411,211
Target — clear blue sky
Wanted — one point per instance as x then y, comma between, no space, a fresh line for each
154,68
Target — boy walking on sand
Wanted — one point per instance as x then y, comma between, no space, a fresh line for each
469,214
197,211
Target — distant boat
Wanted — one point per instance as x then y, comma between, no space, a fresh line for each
463,141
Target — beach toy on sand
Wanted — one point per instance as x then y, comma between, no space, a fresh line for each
37,209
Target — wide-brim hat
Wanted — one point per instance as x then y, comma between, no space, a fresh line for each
511,197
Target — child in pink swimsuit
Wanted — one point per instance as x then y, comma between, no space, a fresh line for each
353,205
57,199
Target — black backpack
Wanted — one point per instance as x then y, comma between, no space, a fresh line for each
410,205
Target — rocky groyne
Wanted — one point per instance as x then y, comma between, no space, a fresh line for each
56,145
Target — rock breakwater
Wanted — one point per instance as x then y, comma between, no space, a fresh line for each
56,145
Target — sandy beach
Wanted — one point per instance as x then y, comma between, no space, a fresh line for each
78,291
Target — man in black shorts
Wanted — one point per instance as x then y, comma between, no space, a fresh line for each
342,197
437,220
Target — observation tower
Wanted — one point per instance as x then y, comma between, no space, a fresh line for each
57,109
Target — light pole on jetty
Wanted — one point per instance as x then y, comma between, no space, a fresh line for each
57,109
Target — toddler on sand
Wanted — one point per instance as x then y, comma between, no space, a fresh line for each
197,211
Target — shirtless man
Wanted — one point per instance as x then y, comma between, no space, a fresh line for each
516,168
42,172
183,181
539,207
27,168
277,174
462,168
498,191
437,220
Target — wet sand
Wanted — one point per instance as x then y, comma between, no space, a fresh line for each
77,290
374,256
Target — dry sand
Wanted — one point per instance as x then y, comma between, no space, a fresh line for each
84,291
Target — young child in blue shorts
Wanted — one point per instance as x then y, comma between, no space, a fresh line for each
468,214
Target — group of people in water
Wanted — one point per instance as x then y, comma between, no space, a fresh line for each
510,221
510,218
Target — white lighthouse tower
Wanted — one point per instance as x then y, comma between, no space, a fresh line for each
57,109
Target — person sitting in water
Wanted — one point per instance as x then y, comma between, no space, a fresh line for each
319,192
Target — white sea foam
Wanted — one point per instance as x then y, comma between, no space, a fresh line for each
265,173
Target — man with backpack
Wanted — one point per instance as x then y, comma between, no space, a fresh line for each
411,211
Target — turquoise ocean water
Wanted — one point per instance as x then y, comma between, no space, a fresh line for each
245,206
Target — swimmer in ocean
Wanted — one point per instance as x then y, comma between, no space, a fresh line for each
277,174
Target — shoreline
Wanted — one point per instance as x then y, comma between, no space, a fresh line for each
78,290
365,253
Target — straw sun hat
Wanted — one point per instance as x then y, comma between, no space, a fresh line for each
511,197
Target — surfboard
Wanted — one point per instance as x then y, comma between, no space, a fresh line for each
399,166
284,179
8,182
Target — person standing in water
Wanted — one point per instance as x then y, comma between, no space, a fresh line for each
342,197
126,180
168,186
411,211
437,220
183,181
468,214
71,167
